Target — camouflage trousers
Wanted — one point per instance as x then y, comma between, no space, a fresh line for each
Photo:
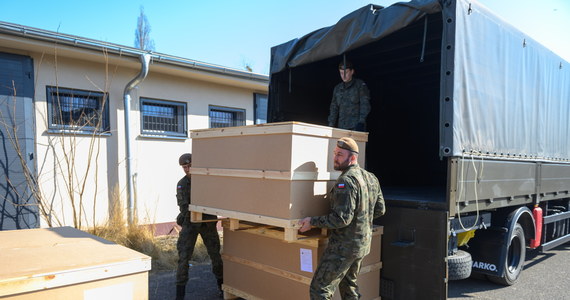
336,270
185,246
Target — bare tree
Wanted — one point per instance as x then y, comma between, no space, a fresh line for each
142,33
70,182
246,64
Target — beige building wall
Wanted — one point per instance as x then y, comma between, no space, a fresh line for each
155,160
102,157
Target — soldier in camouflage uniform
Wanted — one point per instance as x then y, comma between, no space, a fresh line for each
190,231
350,103
355,201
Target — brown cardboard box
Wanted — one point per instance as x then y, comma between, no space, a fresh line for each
257,284
260,265
277,170
284,199
66,263
287,146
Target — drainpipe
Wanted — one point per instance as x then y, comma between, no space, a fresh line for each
145,60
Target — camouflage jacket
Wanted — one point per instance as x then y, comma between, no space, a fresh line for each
183,189
355,201
350,104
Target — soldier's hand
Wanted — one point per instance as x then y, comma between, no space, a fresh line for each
305,224
180,219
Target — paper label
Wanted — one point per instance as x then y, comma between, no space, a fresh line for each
306,260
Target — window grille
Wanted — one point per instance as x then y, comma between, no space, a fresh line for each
77,110
161,117
226,117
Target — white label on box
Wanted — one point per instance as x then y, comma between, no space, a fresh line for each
307,260
320,188
116,291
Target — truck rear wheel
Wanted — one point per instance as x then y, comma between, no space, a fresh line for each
459,265
516,252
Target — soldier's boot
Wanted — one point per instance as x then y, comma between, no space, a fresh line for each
220,282
180,292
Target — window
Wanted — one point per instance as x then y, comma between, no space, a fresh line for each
260,105
77,110
159,117
226,117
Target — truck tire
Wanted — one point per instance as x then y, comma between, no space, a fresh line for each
459,265
516,253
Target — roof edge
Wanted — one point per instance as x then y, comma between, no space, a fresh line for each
121,50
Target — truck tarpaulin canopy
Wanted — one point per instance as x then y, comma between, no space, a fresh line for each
500,93
363,26
511,95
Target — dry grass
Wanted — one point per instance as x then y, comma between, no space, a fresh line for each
141,238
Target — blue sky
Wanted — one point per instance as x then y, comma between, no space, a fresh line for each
235,33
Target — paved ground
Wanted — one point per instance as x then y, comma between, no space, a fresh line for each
546,276
201,285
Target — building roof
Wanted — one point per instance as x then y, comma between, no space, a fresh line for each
30,38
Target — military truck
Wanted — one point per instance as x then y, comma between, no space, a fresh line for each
469,135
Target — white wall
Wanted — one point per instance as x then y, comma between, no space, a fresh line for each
154,160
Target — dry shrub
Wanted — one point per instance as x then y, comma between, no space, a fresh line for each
137,237
141,238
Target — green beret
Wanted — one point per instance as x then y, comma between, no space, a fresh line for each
185,159
347,144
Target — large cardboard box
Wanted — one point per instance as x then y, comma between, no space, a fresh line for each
258,264
277,170
66,263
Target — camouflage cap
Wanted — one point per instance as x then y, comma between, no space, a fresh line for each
347,144
185,159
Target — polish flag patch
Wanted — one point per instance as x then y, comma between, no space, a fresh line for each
340,186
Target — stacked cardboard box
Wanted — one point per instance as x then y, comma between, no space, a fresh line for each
281,171
259,264
273,175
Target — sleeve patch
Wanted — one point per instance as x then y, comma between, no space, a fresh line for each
340,185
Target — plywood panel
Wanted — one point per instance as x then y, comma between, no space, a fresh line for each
41,259
259,284
281,170
288,146
274,198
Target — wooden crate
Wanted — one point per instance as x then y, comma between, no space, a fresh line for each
66,263
281,171
258,264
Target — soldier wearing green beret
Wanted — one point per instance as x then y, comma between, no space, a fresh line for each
190,231
355,201
350,103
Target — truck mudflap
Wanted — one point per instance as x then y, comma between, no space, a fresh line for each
500,251
414,249
488,251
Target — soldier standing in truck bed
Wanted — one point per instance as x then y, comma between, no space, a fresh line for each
355,201
190,231
350,103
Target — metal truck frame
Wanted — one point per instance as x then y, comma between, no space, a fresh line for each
468,135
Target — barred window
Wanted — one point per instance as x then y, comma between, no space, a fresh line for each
160,117
260,105
226,117
77,110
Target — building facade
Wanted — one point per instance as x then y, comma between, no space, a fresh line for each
69,151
